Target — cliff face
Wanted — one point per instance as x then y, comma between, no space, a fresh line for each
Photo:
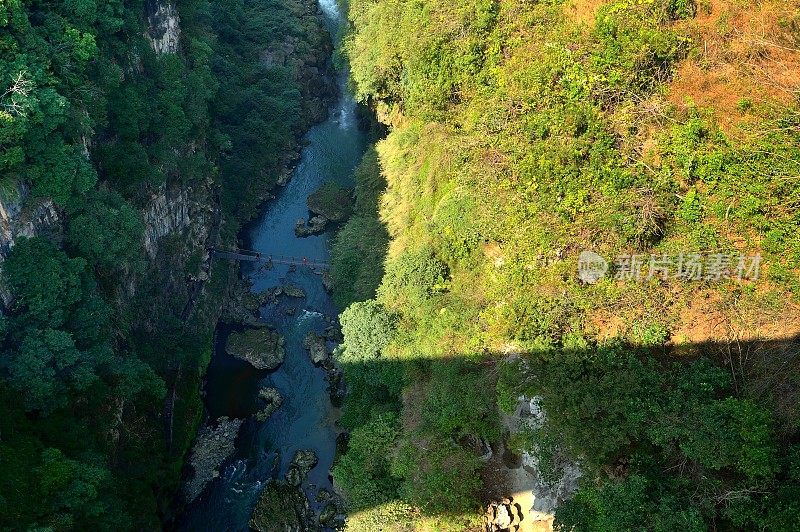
163,29
153,116
181,225
188,212
20,218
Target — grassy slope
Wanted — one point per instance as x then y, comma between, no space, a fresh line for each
525,132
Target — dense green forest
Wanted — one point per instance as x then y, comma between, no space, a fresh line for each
103,346
522,133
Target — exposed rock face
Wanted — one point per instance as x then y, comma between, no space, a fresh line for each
315,226
16,222
273,400
163,23
546,496
262,348
315,345
282,508
173,211
181,225
213,446
549,496
503,517
327,281
303,462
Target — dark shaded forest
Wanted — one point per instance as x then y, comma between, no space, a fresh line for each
103,343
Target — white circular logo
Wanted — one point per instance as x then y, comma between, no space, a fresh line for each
591,267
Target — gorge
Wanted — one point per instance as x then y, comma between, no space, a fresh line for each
402,265
305,419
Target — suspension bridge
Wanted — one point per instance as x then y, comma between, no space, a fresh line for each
248,255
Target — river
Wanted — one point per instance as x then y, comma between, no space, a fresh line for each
306,419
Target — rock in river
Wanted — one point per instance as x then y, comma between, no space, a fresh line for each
291,291
282,508
262,348
332,201
214,445
328,514
303,462
273,400
315,226
315,345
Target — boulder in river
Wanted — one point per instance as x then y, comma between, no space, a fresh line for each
262,348
273,400
214,445
242,305
315,345
328,514
303,462
291,291
315,226
331,201
282,508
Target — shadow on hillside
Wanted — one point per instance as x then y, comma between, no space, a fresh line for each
439,403
427,432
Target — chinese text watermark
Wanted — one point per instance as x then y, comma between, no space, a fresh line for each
682,266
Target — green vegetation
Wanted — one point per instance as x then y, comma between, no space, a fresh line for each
521,134
332,201
102,347
259,109
359,247
694,452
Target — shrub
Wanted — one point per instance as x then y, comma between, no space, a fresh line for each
414,275
363,472
367,327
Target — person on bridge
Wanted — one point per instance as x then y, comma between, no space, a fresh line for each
305,261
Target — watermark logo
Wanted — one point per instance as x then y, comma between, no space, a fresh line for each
683,266
591,267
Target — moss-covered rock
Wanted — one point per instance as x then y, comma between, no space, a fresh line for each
282,508
315,226
214,445
273,400
262,348
303,462
316,347
332,201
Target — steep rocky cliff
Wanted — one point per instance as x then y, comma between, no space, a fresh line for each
163,29
22,218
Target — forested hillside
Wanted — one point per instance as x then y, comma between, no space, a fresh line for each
662,135
133,136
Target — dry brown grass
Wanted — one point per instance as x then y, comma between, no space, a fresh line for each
711,315
583,11
744,51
